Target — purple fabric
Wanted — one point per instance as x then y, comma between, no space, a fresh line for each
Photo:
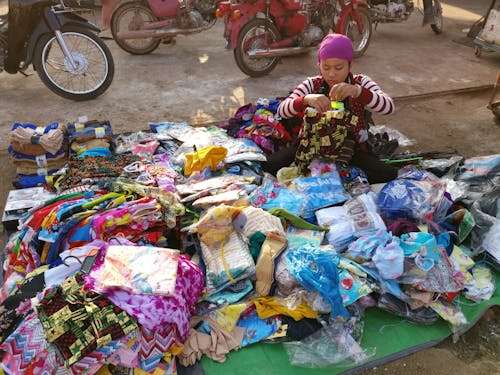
335,46
155,312
401,226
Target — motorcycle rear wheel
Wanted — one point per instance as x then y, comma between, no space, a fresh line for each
437,26
257,34
131,16
94,68
360,42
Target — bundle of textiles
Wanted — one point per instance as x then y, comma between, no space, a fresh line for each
260,123
37,152
90,138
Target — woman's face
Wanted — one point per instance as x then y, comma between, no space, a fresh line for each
334,70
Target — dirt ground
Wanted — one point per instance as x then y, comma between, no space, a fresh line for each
440,88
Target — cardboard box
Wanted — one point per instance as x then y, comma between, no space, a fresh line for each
21,201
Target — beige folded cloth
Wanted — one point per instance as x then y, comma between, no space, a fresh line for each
27,141
214,345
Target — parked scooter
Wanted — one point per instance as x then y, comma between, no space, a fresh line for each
139,26
69,57
387,11
261,31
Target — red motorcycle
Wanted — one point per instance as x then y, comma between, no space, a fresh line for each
261,31
139,26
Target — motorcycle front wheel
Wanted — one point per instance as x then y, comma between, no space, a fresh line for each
89,76
131,17
360,41
437,26
257,34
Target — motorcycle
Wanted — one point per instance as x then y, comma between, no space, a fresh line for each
260,32
139,26
63,47
387,11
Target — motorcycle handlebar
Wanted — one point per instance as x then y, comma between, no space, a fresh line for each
79,3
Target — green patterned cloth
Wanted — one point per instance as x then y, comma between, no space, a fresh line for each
78,321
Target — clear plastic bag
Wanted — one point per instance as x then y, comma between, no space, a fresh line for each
316,270
485,234
410,199
321,191
332,345
271,194
403,140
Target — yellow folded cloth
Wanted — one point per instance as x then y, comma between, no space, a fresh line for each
204,157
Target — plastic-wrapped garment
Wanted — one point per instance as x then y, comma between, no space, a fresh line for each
410,199
480,167
485,235
138,269
452,314
241,149
228,263
126,142
352,287
440,278
327,347
90,130
337,214
461,222
272,194
482,285
421,246
297,237
316,269
389,259
364,247
285,282
215,225
257,329
170,205
187,134
321,191
231,294
482,176
252,220
341,234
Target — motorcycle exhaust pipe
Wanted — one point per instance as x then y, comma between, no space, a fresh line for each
277,52
160,33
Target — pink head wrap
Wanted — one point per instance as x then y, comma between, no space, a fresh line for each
335,46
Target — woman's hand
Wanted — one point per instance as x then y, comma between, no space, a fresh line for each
340,91
318,101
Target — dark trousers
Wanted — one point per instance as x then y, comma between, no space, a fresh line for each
376,170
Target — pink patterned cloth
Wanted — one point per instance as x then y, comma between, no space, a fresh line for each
155,312
138,269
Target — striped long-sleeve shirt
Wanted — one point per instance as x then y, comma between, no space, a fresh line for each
371,97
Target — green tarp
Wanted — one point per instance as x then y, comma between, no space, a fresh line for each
392,337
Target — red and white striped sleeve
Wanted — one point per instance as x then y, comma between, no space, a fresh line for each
373,97
294,103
